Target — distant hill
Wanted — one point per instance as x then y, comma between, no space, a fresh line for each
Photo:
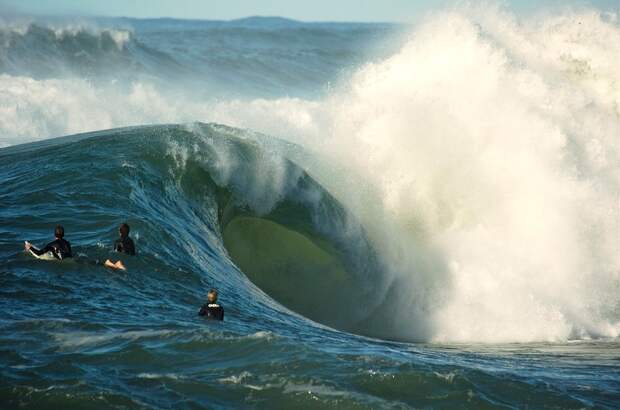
252,22
266,21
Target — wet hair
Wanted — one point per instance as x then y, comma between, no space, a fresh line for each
212,291
59,232
124,229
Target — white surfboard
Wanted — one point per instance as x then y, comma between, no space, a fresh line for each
48,256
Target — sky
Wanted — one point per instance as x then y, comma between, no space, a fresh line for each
307,10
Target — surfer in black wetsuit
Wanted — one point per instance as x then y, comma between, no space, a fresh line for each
124,244
60,248
212,310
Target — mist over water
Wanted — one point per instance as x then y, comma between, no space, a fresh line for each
458,179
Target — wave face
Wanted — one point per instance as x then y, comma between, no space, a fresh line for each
237,203
454,183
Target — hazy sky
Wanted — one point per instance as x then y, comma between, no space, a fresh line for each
336,10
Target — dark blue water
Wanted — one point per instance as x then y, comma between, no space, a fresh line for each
310,322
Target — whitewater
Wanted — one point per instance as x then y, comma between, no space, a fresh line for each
434,204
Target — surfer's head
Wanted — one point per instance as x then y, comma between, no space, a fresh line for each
59,232
123,230
212,296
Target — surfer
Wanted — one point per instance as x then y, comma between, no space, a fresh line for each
124,244
212,310
59,248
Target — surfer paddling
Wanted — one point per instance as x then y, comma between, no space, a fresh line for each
59,248
124,244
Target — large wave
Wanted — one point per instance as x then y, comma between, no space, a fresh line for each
206,196
482,160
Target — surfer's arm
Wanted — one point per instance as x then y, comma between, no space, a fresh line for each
202,311
40,252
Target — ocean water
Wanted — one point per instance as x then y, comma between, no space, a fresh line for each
395,216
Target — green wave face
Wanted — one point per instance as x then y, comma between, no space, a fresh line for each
304,274
281,228
301,250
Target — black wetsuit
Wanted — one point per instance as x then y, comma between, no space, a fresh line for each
125,245
212,311
60,248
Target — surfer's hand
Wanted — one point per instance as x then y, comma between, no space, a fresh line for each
27,245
